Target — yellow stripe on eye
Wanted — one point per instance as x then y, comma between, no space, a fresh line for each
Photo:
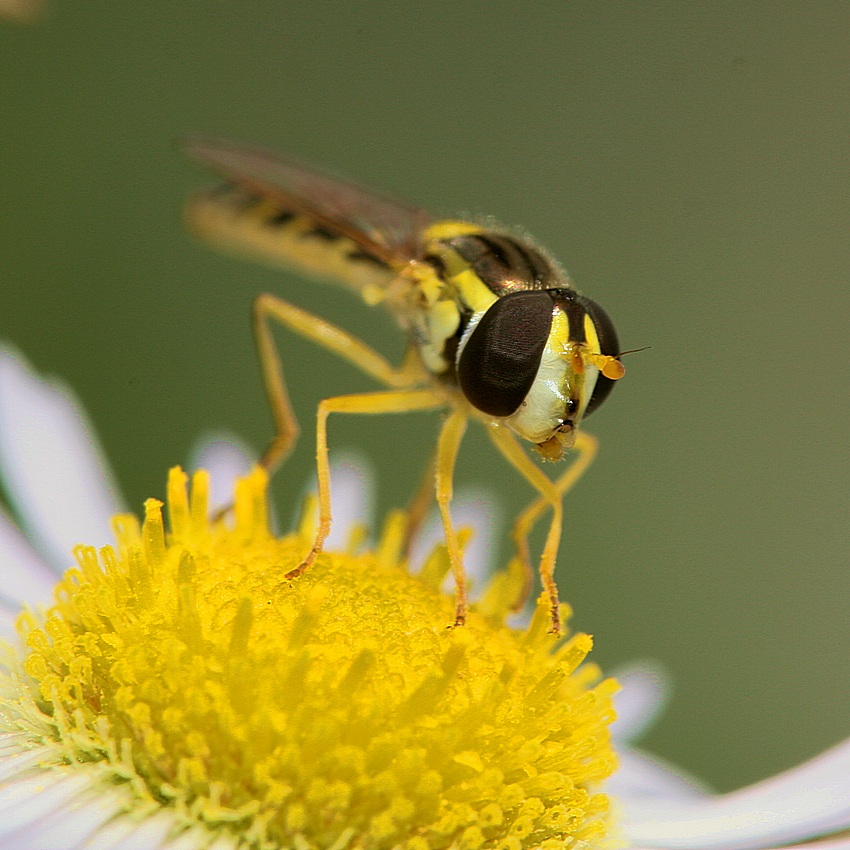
559,333
609,366
591,336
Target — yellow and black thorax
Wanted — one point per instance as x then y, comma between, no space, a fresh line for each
494,310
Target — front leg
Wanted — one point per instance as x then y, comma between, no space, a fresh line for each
514,453
586,447
388,401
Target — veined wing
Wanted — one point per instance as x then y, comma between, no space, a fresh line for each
382,229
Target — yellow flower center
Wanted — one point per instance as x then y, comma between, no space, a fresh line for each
333,711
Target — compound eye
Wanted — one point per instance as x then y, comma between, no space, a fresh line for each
608,344
499,361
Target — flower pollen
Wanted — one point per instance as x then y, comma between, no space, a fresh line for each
333,711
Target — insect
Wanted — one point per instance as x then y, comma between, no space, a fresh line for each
496,331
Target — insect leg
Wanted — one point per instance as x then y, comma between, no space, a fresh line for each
513,452
269,308
586,446
384,401
447,447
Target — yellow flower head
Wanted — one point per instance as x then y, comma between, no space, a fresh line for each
336,710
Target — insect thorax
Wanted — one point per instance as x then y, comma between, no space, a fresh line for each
468,268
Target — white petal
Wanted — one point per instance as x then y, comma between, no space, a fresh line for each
352,488
69,824
12,744
640,777
115,835
25,801
15,758
472,508
645,691
8,615
352,500
126,834
806,802
52,464
823,844
190,840
226,458
223,843
24,576
826,844
475,508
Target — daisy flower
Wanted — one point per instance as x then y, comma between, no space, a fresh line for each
161,688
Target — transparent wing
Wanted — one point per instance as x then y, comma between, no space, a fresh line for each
384,228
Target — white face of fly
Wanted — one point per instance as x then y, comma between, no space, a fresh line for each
550,412
531,361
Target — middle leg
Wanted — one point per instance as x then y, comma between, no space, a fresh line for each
513,452
447,448
386,401
586,447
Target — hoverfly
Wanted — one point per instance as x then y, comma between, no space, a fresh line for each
496,331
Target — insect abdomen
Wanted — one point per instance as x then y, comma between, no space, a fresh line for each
241,223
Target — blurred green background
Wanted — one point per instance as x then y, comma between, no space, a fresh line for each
687,162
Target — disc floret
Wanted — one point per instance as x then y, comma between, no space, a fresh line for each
332,711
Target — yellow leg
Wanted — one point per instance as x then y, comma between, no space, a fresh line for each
388,401
447,447
586,446
513,452
268,309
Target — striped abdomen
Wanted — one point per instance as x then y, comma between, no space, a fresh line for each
240,222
